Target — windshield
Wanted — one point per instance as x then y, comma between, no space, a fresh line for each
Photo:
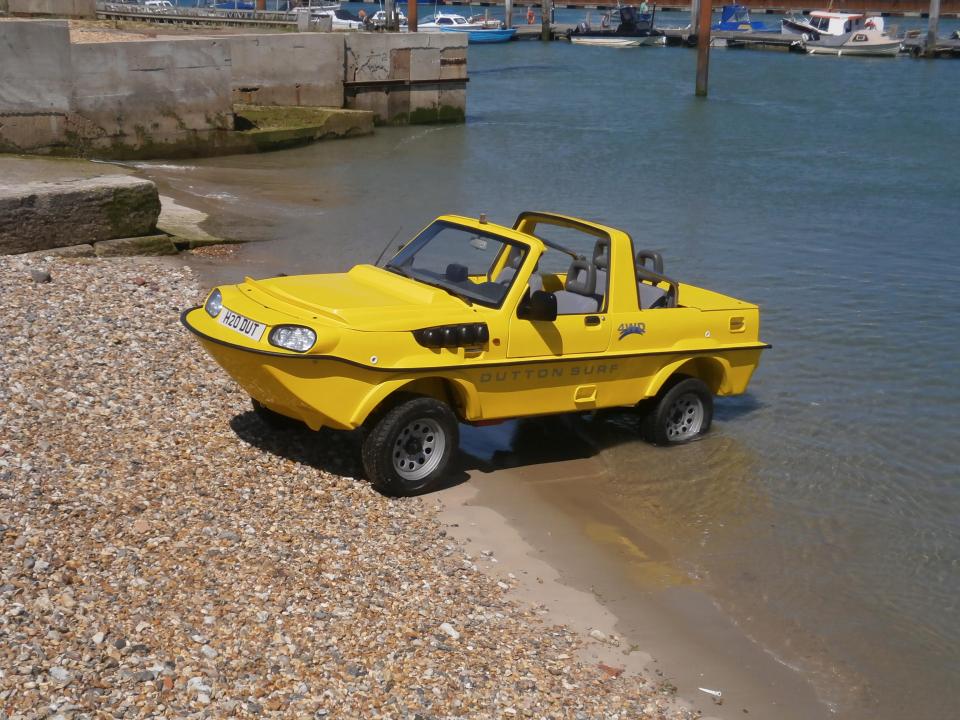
474,266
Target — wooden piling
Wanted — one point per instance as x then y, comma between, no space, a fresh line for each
412,16
546,8
703,47
508,14
933,23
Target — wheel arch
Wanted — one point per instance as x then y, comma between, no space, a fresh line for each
713,371
459,395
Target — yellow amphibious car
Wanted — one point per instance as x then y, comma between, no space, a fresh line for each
476,322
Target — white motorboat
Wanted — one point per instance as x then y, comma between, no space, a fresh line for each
827,22
618,42
839,33
479,31
866,42
452,21
633,30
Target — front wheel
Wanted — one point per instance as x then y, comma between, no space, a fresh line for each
408,449
681,414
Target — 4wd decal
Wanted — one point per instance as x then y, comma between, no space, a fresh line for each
637,328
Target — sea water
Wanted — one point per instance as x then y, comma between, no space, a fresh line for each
823,510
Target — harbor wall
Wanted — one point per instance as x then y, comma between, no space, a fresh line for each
175,97
415,78
139,94
54,8
301,69
35,82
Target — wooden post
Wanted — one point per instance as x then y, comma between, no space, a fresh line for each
703,47
694,16
508,14
545,10
933,23
411,15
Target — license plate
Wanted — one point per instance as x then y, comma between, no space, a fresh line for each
243,325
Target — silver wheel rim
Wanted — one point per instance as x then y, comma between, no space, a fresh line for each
684,418
418,449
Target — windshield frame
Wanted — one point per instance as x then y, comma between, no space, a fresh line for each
397,263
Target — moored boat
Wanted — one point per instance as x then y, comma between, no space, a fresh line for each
634,29
828,22
736,18
480,31
865,42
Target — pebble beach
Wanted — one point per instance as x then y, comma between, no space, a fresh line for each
165,554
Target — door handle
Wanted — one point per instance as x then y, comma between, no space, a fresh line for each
591,320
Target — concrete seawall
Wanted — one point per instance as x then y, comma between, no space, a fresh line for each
175,97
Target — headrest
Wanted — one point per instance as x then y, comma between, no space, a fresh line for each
601,254
581,277
652,255
456,272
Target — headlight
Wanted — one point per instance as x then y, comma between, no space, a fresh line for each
293,337
214,304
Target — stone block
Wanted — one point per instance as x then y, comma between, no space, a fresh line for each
70,251
287,69
44,215
425,63
453,63
125,247
55,8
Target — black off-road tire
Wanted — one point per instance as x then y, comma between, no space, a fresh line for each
407,450
273,419
681,413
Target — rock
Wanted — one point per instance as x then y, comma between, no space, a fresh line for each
97,638
146,245
69,251
43,215
208,652
598,635
450,630
40,276
60,675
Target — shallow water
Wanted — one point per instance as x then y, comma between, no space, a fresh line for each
823,511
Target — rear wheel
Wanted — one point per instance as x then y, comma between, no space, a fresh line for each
408,449
681,413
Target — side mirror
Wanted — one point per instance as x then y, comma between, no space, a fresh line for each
541,305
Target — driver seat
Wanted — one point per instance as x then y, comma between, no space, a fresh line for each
578,296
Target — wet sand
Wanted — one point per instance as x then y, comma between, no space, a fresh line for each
588,570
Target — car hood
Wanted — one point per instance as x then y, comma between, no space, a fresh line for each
365,298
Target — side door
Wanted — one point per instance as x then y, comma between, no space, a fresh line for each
574,334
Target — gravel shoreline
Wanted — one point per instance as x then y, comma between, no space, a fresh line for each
164,554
